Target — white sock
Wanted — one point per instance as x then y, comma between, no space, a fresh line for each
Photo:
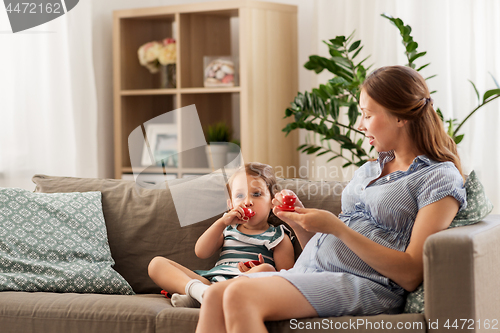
184,301
196,289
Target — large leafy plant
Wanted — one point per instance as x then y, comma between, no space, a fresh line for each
319,111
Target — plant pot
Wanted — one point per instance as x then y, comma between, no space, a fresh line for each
217,154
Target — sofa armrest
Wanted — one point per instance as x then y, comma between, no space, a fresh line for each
461,269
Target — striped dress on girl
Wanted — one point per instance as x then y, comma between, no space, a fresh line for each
241,247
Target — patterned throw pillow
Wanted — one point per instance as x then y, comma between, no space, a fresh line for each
478,207
55,242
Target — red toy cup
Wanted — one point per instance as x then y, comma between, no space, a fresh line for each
288,203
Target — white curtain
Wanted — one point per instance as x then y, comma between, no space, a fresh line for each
48,107
462,40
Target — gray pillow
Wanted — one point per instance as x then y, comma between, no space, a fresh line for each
55,242
478,207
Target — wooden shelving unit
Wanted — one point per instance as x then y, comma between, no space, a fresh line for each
261,35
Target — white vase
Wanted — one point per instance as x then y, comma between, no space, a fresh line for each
216,154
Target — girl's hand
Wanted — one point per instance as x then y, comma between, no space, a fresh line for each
313,220
245,269
235,215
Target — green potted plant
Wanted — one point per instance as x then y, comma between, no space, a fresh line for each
218,136
319,111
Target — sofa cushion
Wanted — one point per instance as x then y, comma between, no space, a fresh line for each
55,242
478,204
141,224
53,312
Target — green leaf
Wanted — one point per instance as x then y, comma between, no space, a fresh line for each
430,77
354,46
339,40
346,165
357,52
412,46
335,109
416,56
458,138
332,158
440,114
399,23
477,92
490,93
362,61
321,92
422,67
312,150
335,53
353,113
342,61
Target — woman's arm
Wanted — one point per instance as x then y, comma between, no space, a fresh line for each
404,268
212,239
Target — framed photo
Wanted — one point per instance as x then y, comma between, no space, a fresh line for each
219,71
163,143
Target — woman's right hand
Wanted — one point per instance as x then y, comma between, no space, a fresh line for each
303,235
278,201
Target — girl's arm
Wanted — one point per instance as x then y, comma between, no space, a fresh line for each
404,268
212,239
283,254
302,235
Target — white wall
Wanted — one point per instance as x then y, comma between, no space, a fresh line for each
103,52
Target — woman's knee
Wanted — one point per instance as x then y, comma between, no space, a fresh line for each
214,292
237,295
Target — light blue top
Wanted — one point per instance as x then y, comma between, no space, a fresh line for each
385,210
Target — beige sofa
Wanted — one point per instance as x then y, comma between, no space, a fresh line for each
461,272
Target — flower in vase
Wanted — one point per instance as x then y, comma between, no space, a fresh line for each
168,53
148,55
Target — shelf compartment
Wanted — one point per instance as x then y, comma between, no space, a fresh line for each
138,110
206,34
135,32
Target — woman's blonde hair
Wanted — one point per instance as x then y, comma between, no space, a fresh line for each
257,170
403,92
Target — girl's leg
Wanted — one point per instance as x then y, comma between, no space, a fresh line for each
243,304
171,276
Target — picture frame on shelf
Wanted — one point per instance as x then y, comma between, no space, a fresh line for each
219,71
163,142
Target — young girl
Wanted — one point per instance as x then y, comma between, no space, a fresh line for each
243,239
361,262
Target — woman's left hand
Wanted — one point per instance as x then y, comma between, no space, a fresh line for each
314,220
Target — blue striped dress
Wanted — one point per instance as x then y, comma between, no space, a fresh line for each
333,278
240,247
